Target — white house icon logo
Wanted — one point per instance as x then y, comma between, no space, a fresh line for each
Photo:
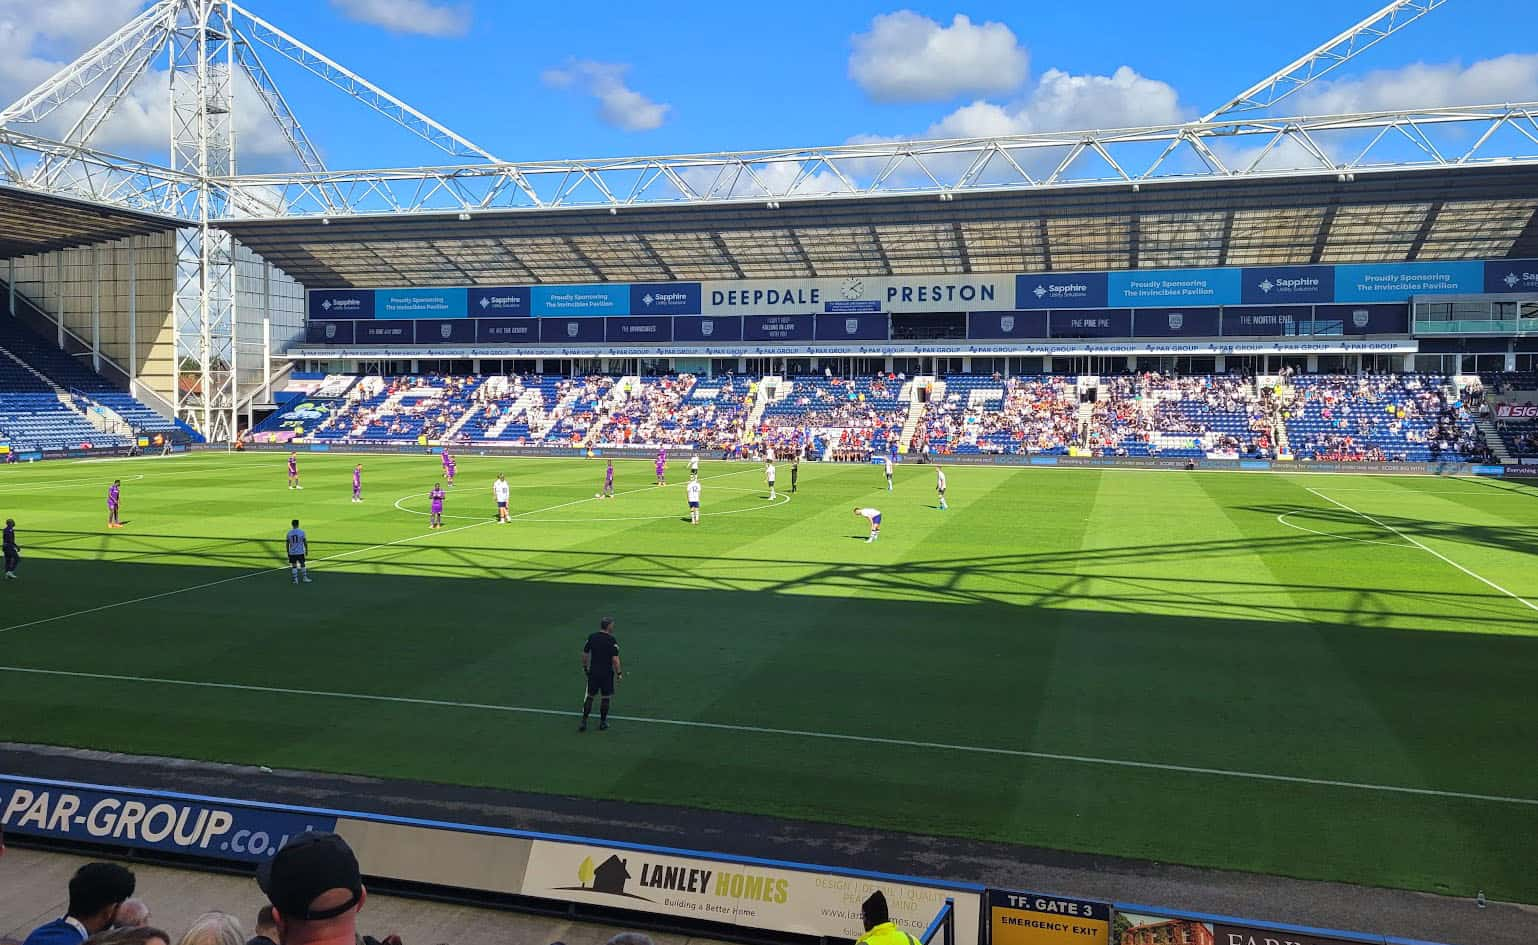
647,298
1266,286
1511,280
326,305
1039,291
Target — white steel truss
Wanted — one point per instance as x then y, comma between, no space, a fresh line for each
1324,58
211,52
1242,148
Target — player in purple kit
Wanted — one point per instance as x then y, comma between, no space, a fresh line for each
662,466
357,483
293,471
114,497
435,520
608,481
448,467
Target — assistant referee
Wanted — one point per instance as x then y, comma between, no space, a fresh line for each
600,664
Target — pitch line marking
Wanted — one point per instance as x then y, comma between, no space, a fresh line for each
791,733
1314,531
589,498
1431,551
228,580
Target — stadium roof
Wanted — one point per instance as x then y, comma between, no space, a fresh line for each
32,222
1463,213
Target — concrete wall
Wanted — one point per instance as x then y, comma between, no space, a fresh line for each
67,281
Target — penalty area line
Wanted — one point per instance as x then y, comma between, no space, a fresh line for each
789,733
1431,551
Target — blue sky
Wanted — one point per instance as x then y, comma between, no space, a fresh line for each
556,80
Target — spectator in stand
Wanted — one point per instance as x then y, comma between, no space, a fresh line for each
266,931
132,913
316,890
96,892
214,928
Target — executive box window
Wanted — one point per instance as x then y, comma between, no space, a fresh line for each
935,326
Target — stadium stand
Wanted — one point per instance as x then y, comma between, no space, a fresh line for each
48,401
1342,418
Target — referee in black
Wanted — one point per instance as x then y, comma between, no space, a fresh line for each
600,664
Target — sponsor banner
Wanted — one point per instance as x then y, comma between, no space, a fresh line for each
1173,287
612,299
1139,928
756,896
384,333
1523,470
506,330
1093,323
500,302
859,294
1396,282
571,330
340,303
328,333
665,298
777,328
851,328
1364,319
1018,918
1511,275
1268,320
1061,290
1516,411
445,331
718,328
1487,470
141,820
1175,322
639,329
421,303
771,348
1007,324
1287,285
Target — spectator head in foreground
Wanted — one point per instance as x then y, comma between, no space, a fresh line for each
214,928
95,893
131,914
266,932
630,938
874,910
315,888
131,935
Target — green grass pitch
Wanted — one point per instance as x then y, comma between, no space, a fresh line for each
1317,676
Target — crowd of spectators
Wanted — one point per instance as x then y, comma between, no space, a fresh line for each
314,887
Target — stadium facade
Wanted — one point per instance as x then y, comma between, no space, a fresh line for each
1386,241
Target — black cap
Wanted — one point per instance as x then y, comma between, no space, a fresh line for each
874,910
307,866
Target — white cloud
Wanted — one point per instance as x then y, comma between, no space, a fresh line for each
1509,78
409,16
907,57
618,104
1061,101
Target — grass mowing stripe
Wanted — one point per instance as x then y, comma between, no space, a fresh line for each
1484,580
789,733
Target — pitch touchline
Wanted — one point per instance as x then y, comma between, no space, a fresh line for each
1432,551
788,733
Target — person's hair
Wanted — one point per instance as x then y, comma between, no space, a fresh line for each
98,885
134,935
214,928
606,623
296,523
630,938
264,918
